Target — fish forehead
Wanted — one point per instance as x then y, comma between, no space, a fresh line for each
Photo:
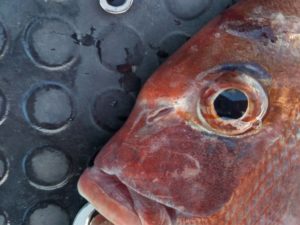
261,33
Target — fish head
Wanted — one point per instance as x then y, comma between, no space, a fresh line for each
210,118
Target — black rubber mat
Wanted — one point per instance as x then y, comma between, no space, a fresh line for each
69,75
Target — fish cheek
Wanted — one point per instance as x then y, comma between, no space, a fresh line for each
210,190
220,170
195,173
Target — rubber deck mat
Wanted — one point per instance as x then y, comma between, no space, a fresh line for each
69,76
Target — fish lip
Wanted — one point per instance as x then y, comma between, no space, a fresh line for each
87,185
92,188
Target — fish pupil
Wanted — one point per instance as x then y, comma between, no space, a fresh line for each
231,104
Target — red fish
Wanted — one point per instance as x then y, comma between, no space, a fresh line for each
214,138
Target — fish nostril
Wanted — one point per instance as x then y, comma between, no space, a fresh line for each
158,114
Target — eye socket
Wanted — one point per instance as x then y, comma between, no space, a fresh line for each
231,104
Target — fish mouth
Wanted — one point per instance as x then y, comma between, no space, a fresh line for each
120,204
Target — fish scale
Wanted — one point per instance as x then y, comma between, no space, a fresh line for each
251,200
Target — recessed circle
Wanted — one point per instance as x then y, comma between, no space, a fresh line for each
3,107
116,6
52,1
188,9
121,47
3,218
111,109
170,44
3,40
231,104
3,168
49,107
47,213
48,44
47,168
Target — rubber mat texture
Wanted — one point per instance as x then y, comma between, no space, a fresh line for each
69,76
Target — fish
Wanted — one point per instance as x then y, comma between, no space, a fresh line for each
214,136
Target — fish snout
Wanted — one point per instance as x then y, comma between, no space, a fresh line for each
114,185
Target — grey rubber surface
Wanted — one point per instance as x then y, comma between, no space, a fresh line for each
69,75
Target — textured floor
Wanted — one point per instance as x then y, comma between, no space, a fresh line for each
69,75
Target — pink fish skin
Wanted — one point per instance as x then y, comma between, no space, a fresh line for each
176,161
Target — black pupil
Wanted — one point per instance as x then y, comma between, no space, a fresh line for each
116,2
231,104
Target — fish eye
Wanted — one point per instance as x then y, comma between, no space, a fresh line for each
231,103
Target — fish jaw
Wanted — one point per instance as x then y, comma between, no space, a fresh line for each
119,204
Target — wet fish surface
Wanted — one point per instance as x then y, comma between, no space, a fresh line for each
214,136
